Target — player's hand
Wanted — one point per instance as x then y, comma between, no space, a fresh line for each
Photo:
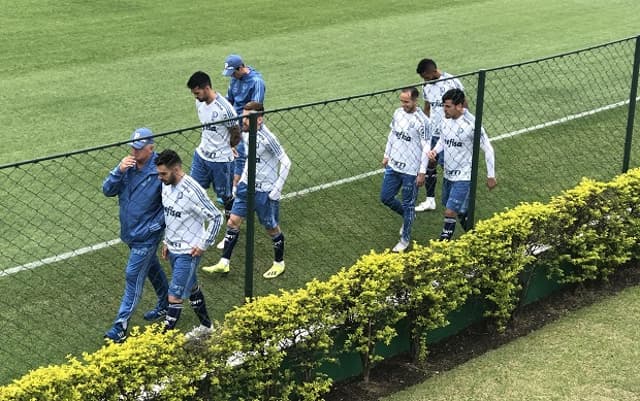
491,183
165,252
432,155
127,162
385,161
420,179
195,251
274,194
235,152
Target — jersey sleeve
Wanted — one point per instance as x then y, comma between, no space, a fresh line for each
489,154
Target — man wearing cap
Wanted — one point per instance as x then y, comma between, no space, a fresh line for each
135,181
246,85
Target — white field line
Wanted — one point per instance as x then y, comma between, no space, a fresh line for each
306,191
58,258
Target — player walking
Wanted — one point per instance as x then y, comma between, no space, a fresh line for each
269,183
403,157
213,158
432,95
456,141
186,209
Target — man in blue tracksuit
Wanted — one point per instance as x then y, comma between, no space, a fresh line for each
135,181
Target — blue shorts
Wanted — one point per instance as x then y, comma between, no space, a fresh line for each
268,210
440,156
455,195
183,274
220,174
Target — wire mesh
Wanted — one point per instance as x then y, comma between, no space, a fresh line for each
551,122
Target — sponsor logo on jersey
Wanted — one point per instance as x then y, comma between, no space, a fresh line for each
453,143
453,173
170,211
403,135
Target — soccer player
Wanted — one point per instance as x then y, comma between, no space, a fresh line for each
213,158
432,95
269,182
134,181
456,141
186,209
402,161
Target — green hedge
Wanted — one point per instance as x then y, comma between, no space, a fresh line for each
274,347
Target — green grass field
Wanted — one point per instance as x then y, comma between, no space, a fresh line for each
588,355
78,75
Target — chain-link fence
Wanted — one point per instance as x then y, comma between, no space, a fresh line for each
550,121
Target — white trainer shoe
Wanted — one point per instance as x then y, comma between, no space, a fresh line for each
401,246
198,333
428,204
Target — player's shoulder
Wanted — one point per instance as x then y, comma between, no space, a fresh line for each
225,106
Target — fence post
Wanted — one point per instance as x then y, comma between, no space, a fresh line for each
633,93
251,205
470,221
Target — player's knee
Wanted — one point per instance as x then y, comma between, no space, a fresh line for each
174,300
234,222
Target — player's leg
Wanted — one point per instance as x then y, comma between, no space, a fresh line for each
268,212
237,216
456,203
135,274
391,183
160,284
222,177
182,279
409,193
431,179
200,171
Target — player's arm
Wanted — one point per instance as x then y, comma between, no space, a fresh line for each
259,90
238,164
235,136
207,210
283,173
439,147
489,157
387,148
427,108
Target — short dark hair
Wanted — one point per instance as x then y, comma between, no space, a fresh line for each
199,79
168,158
412,90
254,106
426,64
455,95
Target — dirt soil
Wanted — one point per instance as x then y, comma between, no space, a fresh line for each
398,373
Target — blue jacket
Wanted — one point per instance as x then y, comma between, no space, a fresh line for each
249,88
140,198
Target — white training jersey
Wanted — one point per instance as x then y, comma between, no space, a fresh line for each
432,93
186,208
405,141
457,142
214,143
269,155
